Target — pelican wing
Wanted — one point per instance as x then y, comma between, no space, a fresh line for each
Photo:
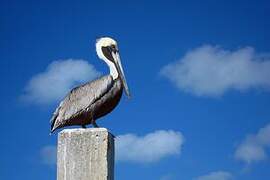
80,99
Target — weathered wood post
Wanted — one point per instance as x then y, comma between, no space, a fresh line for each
85,154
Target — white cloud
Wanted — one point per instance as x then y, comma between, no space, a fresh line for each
253,147
250,151
217,175
149,148
48,155
129,147
59,77
212,71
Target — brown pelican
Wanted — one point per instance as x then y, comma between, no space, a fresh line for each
88,102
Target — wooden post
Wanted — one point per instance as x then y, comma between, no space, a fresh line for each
85,154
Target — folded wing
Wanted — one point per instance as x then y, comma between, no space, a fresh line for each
79,100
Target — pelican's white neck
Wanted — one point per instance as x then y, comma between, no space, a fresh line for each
104,42
113,70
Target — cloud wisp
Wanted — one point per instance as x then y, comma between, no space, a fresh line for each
167,177
59,77
212,71
253,147
48,155
217,175
149,148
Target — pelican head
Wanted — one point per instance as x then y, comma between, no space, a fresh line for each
107,50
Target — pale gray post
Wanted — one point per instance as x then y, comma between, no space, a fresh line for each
85,154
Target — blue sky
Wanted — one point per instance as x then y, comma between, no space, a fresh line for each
198,73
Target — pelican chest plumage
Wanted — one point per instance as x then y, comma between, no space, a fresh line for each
88,102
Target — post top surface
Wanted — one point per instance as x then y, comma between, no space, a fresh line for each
84,130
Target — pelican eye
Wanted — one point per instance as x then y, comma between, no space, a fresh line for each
114,48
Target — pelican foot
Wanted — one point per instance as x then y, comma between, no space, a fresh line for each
84,126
